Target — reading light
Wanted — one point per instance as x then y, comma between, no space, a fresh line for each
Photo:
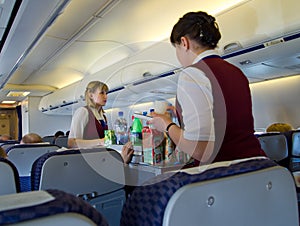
8,102
17,94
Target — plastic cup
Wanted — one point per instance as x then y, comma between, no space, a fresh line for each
160,106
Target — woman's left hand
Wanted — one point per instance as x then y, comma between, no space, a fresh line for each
127,152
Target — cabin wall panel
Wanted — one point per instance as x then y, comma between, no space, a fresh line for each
34,121
276,101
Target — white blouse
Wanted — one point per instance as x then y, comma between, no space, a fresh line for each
194,94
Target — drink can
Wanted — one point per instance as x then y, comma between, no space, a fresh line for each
109,137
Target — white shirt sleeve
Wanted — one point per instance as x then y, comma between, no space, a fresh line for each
194,94
79,121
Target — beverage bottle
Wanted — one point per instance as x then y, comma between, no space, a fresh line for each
144,122
151,110
120,127
136,132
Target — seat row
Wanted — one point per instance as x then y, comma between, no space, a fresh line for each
95,175
253,191
49,207
61,141
284,148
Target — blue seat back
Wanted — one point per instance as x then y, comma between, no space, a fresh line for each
9,143
296,143
147,203
275,146
9,178
61,141
97,175
294,137
264,197
51,207
48,139
23,156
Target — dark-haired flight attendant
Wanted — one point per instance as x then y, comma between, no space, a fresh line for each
213,97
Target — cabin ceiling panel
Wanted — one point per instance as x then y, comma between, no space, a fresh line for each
145,21
59,77
65,26
42,52
19,39
75,16
110,58
110,75
6,8
20,75
83,55
55,39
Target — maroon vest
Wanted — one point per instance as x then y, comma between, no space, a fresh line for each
94,129
232,111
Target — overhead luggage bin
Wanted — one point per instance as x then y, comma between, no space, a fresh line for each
264,46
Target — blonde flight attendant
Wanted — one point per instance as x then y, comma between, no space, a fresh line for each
89,122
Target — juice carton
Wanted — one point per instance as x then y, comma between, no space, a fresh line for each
153,145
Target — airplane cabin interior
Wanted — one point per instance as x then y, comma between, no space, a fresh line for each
49,52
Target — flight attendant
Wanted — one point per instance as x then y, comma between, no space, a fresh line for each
213,101
89,122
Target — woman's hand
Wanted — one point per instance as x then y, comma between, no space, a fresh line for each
127,152
160,121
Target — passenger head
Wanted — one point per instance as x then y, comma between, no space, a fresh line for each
5,137
59,133
92,92
279,127
3,153
31,138
197,26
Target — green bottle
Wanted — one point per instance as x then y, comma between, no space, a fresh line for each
136,132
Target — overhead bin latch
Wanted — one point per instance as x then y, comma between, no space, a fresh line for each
274,42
